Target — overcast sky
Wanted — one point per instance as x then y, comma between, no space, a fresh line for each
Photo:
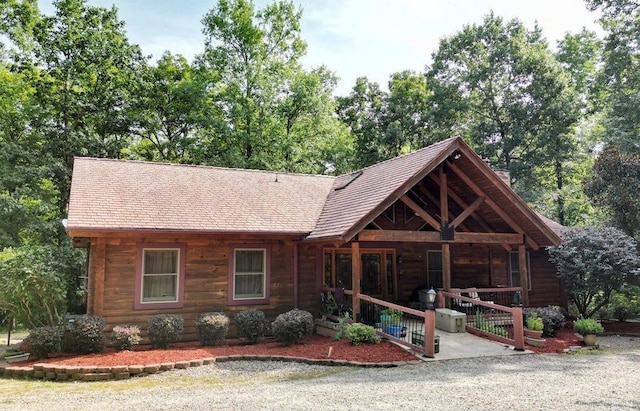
354,38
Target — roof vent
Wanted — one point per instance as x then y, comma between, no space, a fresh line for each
348,179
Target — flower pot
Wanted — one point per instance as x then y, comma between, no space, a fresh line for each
590,340
532,333
395,330
536,342
17,358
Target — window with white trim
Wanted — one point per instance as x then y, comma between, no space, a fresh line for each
514,269
249,274
160,275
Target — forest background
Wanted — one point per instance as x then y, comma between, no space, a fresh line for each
564,120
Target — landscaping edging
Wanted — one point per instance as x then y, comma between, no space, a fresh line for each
55,372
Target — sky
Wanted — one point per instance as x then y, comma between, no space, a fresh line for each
353,38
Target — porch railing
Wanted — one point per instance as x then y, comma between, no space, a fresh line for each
486,318
412,328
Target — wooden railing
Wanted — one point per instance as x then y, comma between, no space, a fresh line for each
486,318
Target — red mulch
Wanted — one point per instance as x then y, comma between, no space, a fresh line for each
316,347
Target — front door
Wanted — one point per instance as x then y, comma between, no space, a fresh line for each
378,277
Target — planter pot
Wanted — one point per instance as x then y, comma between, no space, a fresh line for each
395,330
17,357
532,333
536,342
590,340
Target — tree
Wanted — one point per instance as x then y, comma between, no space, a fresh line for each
593,263
615,186
498,86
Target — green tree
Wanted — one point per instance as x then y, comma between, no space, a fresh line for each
615,186
594,263
499,86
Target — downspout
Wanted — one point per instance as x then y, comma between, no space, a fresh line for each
296,274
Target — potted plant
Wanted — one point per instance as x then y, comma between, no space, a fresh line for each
534,326
391,319
589,329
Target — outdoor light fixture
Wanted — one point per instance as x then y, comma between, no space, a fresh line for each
431,299
517,298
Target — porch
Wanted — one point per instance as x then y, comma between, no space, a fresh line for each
483,328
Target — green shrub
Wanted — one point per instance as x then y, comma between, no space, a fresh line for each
482,324
212,327
362,334
535,323
292,326
552,317
163,329
586,326
85,335
43,341
251,325
123,337
343,326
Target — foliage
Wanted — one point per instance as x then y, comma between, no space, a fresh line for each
625,304
586,326
483,324
43,341
251,325
615,186
394,315
552,316
212,327
534,322
85,335
594,262
362,334
36,280
343,326
291,327
123,337
163,329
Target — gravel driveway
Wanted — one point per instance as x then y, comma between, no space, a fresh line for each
607,379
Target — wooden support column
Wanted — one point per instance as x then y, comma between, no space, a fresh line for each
96,278
524,274
296,275
444,198
356,273
446,267
429,333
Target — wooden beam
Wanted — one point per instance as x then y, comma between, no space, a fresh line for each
435,200
356,274
524,275
446,267
488,238
99,260
444,198
473,186
399,235
456,222
420,212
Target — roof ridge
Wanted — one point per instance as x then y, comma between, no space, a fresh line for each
203,166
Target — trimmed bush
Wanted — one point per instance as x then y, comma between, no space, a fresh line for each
212,327
362,334
85,335
123,337
43,341
552,317
251,325
163,329
585,326
291,327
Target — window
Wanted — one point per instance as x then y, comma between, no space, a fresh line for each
249,275
160,276
434,269
514,267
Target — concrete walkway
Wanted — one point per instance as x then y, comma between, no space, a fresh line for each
465,345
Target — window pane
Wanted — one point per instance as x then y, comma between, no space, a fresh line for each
159,288
343,270
249,286
249,261
160,261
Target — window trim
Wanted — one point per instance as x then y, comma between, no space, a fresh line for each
231,300
528,257
138,304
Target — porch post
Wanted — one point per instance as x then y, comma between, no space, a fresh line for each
429,333
446,267
524,275
356,269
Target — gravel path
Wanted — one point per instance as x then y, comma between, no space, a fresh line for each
607,379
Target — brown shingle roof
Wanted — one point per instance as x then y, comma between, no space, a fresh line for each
134,195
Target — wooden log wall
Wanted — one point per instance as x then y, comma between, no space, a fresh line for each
206,277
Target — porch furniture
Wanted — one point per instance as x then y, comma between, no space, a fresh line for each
450,320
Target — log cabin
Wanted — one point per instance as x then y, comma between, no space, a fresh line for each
185,239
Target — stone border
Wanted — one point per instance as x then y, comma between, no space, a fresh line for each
54,372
